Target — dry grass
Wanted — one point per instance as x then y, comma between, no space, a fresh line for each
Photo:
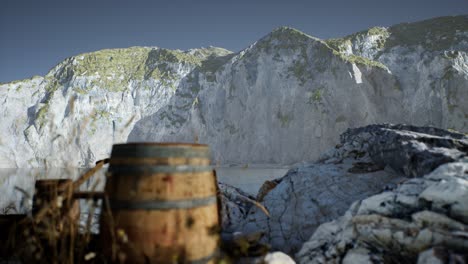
53,239
52,234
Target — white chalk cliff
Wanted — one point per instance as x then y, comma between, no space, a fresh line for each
284,99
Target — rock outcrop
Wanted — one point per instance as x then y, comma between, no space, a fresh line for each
284,99
407,224
387,161
410,150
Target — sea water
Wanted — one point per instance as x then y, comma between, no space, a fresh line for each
17,185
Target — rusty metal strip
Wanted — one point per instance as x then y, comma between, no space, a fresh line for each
161,204
126,169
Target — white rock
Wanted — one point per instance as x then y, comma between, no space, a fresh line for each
278,258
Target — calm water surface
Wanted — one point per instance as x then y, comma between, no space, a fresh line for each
17,185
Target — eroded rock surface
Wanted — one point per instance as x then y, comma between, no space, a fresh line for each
404,223
410,150
371,160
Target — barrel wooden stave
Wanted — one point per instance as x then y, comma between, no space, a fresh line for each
188,234
162,186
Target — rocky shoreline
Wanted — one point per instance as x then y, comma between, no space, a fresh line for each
386,193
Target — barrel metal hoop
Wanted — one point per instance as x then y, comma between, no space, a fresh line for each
125,169
161,204
158,152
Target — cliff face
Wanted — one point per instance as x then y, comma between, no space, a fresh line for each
284,99
429,59
72,116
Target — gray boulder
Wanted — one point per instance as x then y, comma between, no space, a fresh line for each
410,150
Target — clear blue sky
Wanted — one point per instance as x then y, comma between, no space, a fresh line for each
35,35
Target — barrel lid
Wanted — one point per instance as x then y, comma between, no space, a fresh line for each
160,149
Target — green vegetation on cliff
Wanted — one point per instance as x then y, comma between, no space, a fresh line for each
313,53
432,34
360,60
341,44
284,38
114,69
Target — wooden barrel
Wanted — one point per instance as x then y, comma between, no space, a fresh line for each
162,199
